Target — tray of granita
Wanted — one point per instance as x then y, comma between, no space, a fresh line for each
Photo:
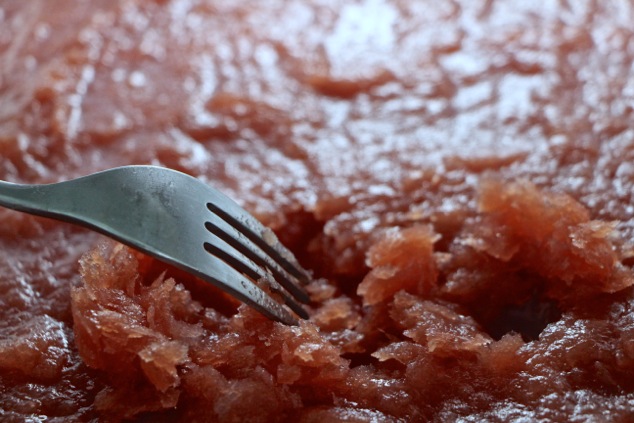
456,176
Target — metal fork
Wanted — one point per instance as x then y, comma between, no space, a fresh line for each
179,220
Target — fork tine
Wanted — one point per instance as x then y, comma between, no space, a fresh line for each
244,240
263,237
219,248
232,281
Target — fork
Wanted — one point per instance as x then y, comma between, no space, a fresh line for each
181,221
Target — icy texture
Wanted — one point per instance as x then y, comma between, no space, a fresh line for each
457,174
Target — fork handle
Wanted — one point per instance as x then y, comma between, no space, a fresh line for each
32,199
84,201
58,201
104,202
80,201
